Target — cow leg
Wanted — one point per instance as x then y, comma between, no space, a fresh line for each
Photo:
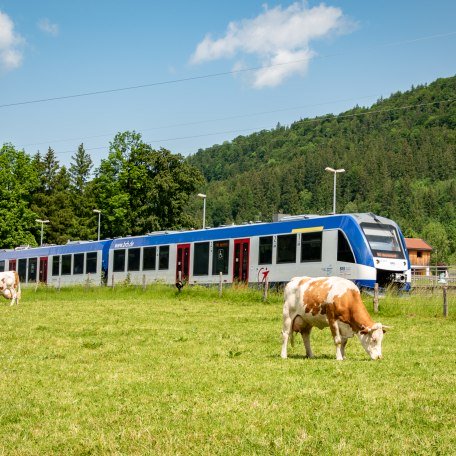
305,333
337,339
285,334
342,346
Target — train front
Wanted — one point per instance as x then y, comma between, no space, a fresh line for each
389,252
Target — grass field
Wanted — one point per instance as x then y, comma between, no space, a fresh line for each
127,371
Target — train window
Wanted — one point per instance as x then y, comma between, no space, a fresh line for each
220,257
163,257
133,259
22,269
33,262
91,262
119,260
55,265
286,248
311,246
149,258
78,263
265,250
2,265
66,264
383,240
201,259
344,252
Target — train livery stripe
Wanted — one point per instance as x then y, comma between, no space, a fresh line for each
313,229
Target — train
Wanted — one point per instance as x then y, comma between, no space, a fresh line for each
363,247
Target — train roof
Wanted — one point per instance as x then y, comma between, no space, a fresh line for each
285,225
55,249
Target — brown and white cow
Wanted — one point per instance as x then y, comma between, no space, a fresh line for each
10,286
329,301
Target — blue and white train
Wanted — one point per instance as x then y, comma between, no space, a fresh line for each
364,248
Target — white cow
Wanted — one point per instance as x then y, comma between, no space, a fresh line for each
333,302
10,286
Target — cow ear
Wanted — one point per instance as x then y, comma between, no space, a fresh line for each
384,328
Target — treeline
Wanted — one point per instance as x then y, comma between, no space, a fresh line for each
399,156
137,188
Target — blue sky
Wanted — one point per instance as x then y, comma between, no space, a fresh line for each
311,58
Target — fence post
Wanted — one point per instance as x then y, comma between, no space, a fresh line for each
144,282
445,301
376,297
220,285
112,281
265,288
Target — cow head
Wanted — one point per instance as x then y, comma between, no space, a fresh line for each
371,339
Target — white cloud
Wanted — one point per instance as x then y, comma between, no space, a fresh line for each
10,44
46,26
275,37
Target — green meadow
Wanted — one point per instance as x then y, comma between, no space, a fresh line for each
127,371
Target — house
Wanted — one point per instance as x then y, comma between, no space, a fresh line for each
420,255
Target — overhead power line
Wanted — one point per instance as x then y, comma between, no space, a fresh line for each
316,119
206,76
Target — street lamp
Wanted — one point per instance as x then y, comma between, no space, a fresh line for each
42,225
335,171
97,211
202,195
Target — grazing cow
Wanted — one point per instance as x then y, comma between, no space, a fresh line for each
333,302
10,287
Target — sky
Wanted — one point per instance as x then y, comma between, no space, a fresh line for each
191,74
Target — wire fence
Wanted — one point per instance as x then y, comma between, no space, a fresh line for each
433,277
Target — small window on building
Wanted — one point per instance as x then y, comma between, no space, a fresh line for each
163,257
149,258
286,248
119,260
78,263
56,265
133,259
419,254
91,262
22,269
220,257
344,252
66,264
265,250
201,259
33,262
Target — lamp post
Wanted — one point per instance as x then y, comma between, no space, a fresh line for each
42,225
202,195
335,171
97,211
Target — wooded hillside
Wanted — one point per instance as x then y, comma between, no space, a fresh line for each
399,156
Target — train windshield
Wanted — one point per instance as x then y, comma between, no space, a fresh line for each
383,240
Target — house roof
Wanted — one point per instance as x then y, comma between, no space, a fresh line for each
417,244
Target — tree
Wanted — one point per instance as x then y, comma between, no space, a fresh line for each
19,181
435,234
53,199
141,189
82,225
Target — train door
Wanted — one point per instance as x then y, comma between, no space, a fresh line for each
241,260
12,265
182,263
43,273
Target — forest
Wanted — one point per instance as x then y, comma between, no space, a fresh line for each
399,157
